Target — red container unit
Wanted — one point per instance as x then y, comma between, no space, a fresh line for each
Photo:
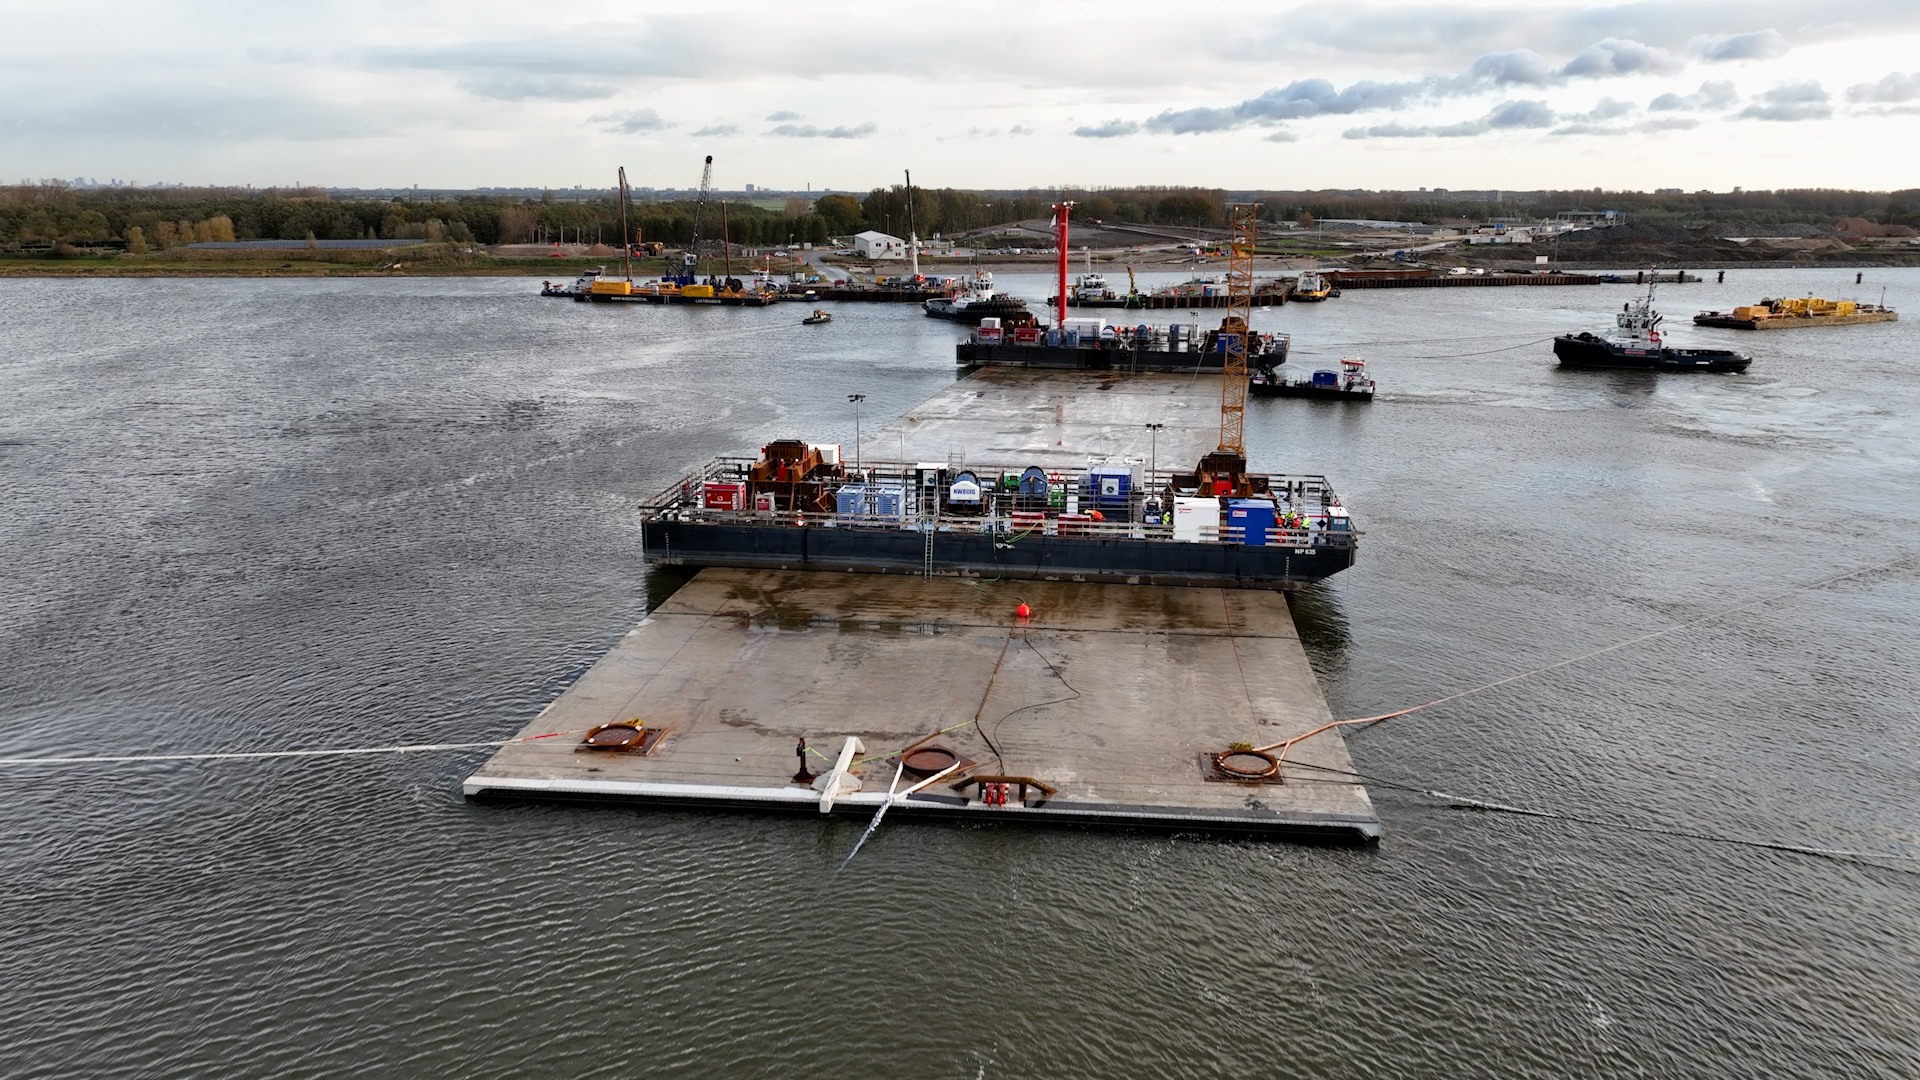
1076,524
721,495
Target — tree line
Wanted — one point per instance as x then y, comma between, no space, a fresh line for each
39,216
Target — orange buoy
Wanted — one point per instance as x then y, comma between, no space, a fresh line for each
1023,611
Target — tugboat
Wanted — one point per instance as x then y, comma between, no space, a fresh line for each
819,316
1637,347
979,300
581,286
1350,383
1311,288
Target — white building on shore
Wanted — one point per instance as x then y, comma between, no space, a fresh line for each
878,245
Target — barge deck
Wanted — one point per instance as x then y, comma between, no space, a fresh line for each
1108,703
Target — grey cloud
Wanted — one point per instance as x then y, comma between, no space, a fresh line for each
1447,32
1757,45
1605,109
717,131
1520,114
1508,115
1891,89
630,122
1522,66
1417,131
1019,129
1283,135
1711,95
809,131
1317,97
1618,56
1654,126
1112,129
1789,102
784,114
1296,100
536,88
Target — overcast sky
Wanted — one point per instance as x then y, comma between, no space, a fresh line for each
1500,93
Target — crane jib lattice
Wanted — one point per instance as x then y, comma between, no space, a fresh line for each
1237,328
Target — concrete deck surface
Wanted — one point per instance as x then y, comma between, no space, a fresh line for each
1110,693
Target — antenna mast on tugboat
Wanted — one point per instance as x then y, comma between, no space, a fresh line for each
626,237
913,240
1061,210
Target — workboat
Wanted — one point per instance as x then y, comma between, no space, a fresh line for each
1786,314
580,287
1637,346
1350,383
1311,288
818,316
977,301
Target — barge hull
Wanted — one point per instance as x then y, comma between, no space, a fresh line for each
1788,322
993,555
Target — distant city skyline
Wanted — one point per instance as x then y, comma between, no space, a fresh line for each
1383,96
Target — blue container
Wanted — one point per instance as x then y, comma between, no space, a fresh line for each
1070,338
1326,378
851,500
1109,485
1033,481
888,500
1255,516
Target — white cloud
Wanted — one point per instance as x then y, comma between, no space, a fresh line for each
630,122
1604,109
717,131
1789,102
1711,95
1758,45
782,115
1619,56
1112,129
1891,89
536,88
1508,115
1644,127
809,131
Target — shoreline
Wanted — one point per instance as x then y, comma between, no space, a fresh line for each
1109,264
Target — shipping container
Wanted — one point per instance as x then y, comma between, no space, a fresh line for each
721,495
1196,520
1254,517
1110,486
852,501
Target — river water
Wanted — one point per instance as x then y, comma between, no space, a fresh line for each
283,514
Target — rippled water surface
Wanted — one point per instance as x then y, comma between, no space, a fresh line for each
267,514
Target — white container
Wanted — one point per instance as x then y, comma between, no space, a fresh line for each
829,452
989,323
1196,521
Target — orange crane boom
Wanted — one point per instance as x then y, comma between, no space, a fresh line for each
1237,328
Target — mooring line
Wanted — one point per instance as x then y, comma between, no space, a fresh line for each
1544,668
1463,802
256,755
